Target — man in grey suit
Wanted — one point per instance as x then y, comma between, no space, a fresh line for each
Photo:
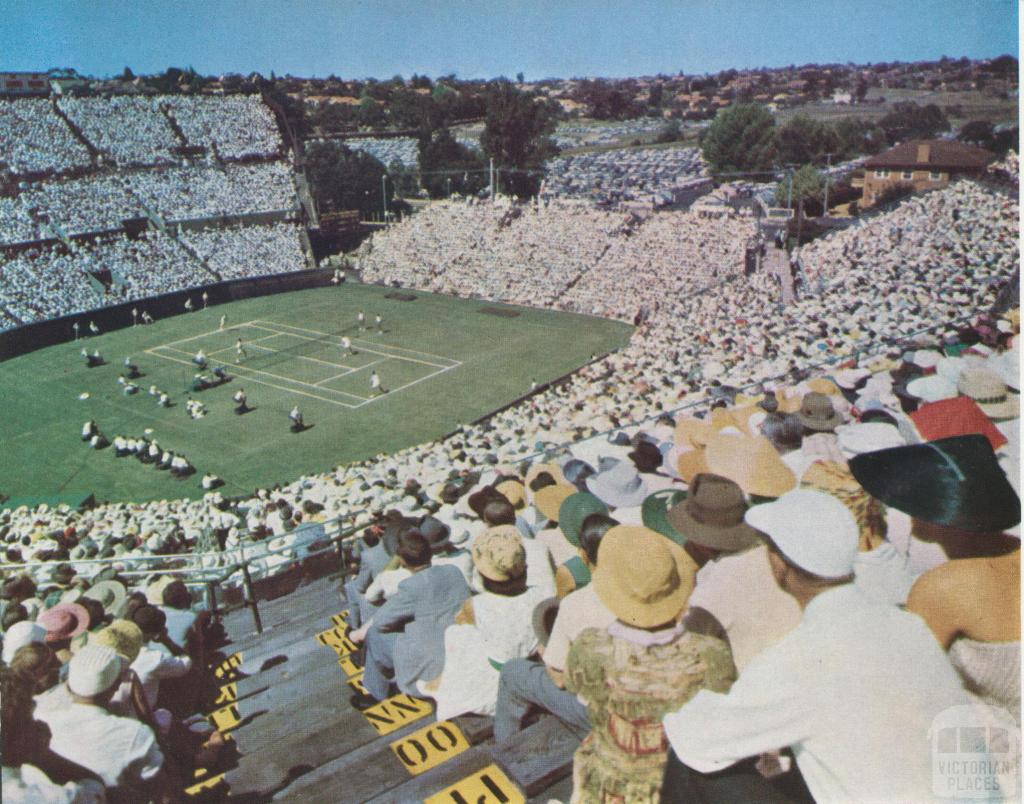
405,638
373,558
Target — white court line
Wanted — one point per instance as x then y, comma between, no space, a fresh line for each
407,385
359,341
350,371
270,373
282,330
272,385
211,332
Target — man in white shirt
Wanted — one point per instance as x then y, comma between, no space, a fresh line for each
853,689
122,751
156,659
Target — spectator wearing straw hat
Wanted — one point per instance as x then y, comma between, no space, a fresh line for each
642,666
63,622
524,683
828,688
492,627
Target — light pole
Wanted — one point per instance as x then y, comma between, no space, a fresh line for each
449,181
384,196
829,165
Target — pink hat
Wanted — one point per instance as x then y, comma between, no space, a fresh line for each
64,621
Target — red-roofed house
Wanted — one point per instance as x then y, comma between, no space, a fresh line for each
923,164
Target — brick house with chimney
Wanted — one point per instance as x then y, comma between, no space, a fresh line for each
923,164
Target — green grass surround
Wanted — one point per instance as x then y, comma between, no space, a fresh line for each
465,364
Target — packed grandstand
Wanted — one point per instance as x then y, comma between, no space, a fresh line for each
668,483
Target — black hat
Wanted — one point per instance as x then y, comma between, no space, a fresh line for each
450,493
393,531
437,533
478,499
646,457
955,482
149,618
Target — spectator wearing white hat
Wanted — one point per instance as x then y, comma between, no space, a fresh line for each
123,752
31,771
21,634
855,672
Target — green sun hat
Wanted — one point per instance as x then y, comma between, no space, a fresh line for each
654,513
573,510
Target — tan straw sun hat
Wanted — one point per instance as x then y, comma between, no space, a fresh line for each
643,578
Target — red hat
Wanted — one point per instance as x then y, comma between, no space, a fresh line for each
64,621
955,417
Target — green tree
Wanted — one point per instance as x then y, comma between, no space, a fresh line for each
861,90
670,132
404,177
803,140
371,113
808,185
856,136
908,121
517,135
740,138
447,165
977,132
344,179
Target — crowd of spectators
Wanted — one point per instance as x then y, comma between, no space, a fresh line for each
103,202
133,130
33,139
623,174
768,438
247,251
239,125
51,281
735,332
579,135
201,192
16,222
45,282
102,688
522,255
388,150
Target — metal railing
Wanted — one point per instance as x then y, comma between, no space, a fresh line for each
211,579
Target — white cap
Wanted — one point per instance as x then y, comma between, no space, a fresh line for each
868,437
93,670
813,530
19,635
933,388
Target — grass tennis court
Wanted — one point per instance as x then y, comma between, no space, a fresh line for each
442,361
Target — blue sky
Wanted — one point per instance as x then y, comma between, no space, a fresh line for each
486,38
